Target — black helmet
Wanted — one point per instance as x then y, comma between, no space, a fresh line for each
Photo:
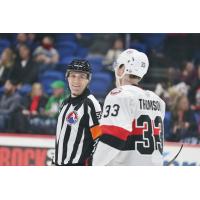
80,65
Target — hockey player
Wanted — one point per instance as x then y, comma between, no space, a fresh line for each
132,119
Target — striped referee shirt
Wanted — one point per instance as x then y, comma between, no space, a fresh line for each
77,129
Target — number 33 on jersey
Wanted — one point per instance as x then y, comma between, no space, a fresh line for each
132,128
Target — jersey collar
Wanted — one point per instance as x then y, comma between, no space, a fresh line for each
78,99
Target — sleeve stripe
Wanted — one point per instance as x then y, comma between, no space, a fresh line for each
113,142
96,131
122,133
115,131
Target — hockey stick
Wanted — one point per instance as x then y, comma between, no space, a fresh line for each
170,162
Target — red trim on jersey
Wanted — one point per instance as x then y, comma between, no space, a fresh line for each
156,130
116,131
122,133
138,130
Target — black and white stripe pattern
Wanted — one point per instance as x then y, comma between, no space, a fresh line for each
74,142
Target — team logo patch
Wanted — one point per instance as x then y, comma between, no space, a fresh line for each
72,118
116,91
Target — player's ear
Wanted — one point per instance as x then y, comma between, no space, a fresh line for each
120,70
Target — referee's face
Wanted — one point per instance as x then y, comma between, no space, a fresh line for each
78,81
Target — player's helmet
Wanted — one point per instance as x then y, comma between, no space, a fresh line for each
80,66
135,62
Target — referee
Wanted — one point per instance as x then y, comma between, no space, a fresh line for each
78,120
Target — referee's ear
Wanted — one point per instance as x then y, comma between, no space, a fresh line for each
90,77
89,80
66,75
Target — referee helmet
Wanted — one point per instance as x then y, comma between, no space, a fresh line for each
80,66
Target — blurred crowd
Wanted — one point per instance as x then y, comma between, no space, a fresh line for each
32,77
34,112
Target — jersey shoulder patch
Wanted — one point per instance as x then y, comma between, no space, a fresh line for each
115,91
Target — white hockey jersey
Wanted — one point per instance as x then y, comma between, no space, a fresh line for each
132,128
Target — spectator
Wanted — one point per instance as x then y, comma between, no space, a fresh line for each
9,104
188,73
54,102
48,124
194,92
196,106
169,88
26,39
25,70
6,64
182,124
21,40
33,107
46,54
114,52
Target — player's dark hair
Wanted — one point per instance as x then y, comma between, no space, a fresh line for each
134,76
122,65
